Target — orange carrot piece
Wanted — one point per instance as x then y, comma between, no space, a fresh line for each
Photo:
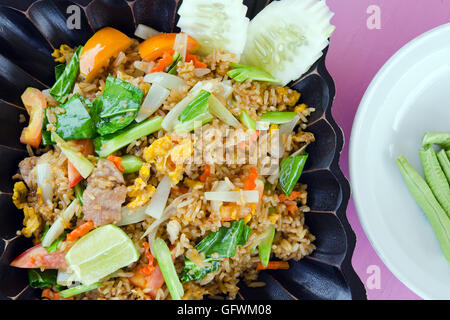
294,195
164,62
197,63
292,208
206,173
80,231
273,265
117,162
179,190
154,47
150,267
48,294
249,183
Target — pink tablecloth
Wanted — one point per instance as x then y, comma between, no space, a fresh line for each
358,50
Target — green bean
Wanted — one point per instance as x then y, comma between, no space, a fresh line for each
439,138
131,163
265,246
445,163
426,200
435,177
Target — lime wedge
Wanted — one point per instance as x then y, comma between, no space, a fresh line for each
100,253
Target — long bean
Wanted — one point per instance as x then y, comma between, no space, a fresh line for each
445,163
439,138
426,200
435,177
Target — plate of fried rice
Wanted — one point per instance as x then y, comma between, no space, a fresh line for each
173,151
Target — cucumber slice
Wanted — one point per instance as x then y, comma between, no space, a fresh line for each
287,37
219,24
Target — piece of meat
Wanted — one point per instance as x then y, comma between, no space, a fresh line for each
25,168
104,194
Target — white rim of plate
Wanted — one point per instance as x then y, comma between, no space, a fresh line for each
357,125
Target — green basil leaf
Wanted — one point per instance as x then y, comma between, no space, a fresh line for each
117,107
291,169
42,279
197,107
192,272
64,84
76,122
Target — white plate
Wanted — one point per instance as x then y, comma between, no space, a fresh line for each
409,96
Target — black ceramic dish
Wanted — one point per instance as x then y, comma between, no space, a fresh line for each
29,30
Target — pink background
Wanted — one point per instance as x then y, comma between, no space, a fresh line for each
356,54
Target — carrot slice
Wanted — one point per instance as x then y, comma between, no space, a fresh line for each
250,183
80,231
273,265
117,162
206,173
154,47
164,62
197,63
150,267
294,195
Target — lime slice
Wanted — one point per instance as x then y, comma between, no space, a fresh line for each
100,253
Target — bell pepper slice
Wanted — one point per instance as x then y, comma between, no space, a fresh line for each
155,47
99,49
35,103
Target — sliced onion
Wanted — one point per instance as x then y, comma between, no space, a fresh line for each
145,32
60,223
200,72
166,80
221,112
65,278
152,102
180,45
220,187
159,199
227,89
131,216
44,181
262,125
288,127
248,196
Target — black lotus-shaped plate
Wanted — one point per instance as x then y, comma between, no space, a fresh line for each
29,30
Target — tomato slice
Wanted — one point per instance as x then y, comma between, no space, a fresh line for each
153,282
39,257
35,103
86,147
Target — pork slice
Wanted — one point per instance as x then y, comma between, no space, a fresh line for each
104,195
26,167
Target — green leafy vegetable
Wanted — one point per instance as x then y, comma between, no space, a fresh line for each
54,246
193,124
247,121
106,145
79,193
278,117
172,69
223,242
220,111
241,72
131,163
164,258
42,279
197,107
76,122
265,246
59,69
117,107
192,272
64,83
290,171
46,135
427,201
79,289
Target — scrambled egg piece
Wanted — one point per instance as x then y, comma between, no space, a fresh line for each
62,53
20,195
31,220
140,192
193,184
300,108
169,156
273,218
290,95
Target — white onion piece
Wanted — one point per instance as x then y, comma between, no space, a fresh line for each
288,127
262,125
65,278
200,72
154,99
248,196
60,223
130,216
159,199
227,89
166,80
219,187
145,32
180,45
44,181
